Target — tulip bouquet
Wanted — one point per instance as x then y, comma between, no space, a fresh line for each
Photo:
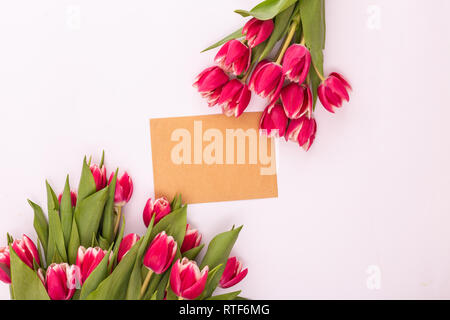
278,55
82,253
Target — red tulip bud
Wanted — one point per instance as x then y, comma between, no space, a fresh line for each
209,83
192,239
234,98
99,175
296,63
158,208
297,100
333,91
160,254
234,57
233,273
186,279
127,243
88,259
26,250
5,265
273,121
267,80
303,131
257,31
124,189
61,281
73,198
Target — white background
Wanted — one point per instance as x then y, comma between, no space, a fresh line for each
77,77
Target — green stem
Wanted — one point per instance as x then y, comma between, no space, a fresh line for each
119,216
288,40
146,282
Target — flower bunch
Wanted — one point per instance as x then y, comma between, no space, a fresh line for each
81,251
289,75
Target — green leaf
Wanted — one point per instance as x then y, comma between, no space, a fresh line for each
214,276
26,285
176,202
162,286
109,214
114,287
226,296
220,248
74,243
235,35
66,212
174,224
55,229
102,161
117,244
281,24
96,277
312,14
267,9
193,253
87,185
40,225
88,214
52,199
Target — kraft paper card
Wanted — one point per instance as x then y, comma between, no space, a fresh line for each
213,158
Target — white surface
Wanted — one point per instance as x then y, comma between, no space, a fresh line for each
373,190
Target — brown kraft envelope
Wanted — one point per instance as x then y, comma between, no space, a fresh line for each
212,158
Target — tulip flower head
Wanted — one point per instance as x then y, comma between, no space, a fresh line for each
257,31
124,189
88,259
234,57
73,198
210,82
186,279
333,91
234,98
267,80
297,100
232,273
61,281
296,63
303,131
273,121
26,250
158,208
5,265
99,175
160,253
127,243
192,239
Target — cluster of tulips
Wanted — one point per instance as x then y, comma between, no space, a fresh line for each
159,265
285,81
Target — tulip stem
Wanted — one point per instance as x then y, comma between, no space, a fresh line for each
249,71
288,40
119,216
145,284
321,77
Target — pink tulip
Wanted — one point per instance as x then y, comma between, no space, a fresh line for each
192,239
209,83
158,208
333,91
5,265
233,273
296,63
160,254
124,189
186,279
234,98
297,100
73,198
267,80
303,131
99,175
61,281
234,57
274,121
88,259
127,243
257,31
26,250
